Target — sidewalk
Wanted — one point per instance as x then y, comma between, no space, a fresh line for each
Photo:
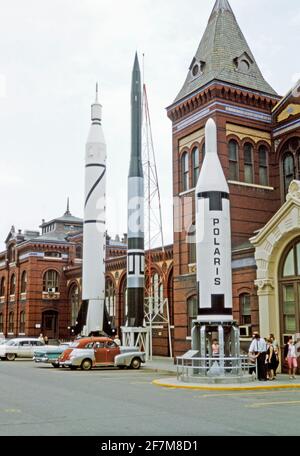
163,365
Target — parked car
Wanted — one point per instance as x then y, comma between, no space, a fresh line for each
90,352
21,348
42,355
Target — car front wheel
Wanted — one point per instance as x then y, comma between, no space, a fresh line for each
10,356
135,363
86,365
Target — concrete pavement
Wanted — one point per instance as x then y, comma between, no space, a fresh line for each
166,365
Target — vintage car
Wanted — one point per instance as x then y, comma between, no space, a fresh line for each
21,348
90,352
50,356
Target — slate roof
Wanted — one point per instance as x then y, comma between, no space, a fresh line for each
222,45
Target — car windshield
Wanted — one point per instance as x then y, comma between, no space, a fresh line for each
12,342
2,341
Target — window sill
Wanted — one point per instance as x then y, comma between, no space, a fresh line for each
186,192
244,184
54,295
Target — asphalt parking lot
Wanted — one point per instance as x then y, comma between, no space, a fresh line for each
40,400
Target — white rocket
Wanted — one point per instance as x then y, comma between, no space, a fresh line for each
94,230
213,235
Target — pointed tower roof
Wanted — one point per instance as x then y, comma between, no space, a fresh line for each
224,55
68,207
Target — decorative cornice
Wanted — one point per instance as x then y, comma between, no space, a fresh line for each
223,92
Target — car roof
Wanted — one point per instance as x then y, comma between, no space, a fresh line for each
23,339
86,340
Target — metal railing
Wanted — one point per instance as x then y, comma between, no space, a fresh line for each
214,367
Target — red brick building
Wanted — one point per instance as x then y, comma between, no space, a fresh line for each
259,145
259,148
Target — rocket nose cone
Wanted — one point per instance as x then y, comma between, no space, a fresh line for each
211,137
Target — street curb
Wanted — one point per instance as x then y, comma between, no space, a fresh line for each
159,370
224,388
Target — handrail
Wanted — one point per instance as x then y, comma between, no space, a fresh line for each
229,366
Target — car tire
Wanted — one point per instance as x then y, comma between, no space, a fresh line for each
10,356
86,365
135,363
55,365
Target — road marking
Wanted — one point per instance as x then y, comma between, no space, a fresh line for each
10,410
266,404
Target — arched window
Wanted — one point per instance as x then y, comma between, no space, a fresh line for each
192,311
75,302
288,171
51,281
196,165
191,240
12,289
185,171
233,160
245,309
79,251
248,163
156,293
1,322
263,165
22,322
110,298
11,253
124,300
11,322
2,287
290,290
24,282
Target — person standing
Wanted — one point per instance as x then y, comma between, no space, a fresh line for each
276,351
258,347
271,360
290,356
117,340
215,348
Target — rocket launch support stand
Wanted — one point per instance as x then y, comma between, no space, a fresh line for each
201,365
136,337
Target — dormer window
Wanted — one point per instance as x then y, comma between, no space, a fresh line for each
243,63
197,67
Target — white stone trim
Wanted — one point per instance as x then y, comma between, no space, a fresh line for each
245,184
270,243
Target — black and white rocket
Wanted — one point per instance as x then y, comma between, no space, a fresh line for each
94,230
213,235
136,253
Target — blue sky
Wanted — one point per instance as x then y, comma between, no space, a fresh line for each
53,52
